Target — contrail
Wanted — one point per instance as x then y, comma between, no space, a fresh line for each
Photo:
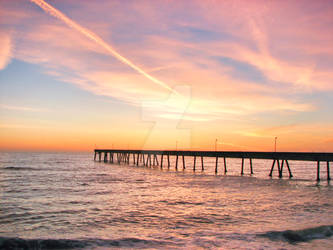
56,13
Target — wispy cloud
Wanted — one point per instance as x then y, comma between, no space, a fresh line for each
21,108
91,35
5,49
178,57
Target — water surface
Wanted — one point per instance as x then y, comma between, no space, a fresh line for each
68,200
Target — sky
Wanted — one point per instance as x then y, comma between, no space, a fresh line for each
162,74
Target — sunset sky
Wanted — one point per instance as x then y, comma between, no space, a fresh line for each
79,75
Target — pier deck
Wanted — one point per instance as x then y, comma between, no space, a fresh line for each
280,159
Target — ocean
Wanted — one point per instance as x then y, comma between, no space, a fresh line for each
66,200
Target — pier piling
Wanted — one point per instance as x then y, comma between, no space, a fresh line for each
251,168
281,170
105,157
272,168
202,164
149,160
194,160
168,162
328,171
242,170
318,170
156,160
177,161
216,163
290,174
225,165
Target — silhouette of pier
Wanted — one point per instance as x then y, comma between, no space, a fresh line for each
150,158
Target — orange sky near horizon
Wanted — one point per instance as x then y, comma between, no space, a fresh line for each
153,74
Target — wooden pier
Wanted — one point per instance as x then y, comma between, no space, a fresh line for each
150,158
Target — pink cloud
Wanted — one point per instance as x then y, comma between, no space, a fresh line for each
5,49
72,57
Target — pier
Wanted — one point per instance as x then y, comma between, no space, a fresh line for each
150,158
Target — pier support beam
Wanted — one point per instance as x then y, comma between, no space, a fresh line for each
290,174
328,171
194,160
183,162
242,171
161,161
137,159
100,156
271,173
225,164
168,162
216,163
95,156
202,164
111,158
149,156
156,160
176,162
154,157
251,168
318,170
281,169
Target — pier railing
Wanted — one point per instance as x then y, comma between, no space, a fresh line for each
149,158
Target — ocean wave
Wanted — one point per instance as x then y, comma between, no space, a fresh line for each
181,203
303,235
19,168
20,243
